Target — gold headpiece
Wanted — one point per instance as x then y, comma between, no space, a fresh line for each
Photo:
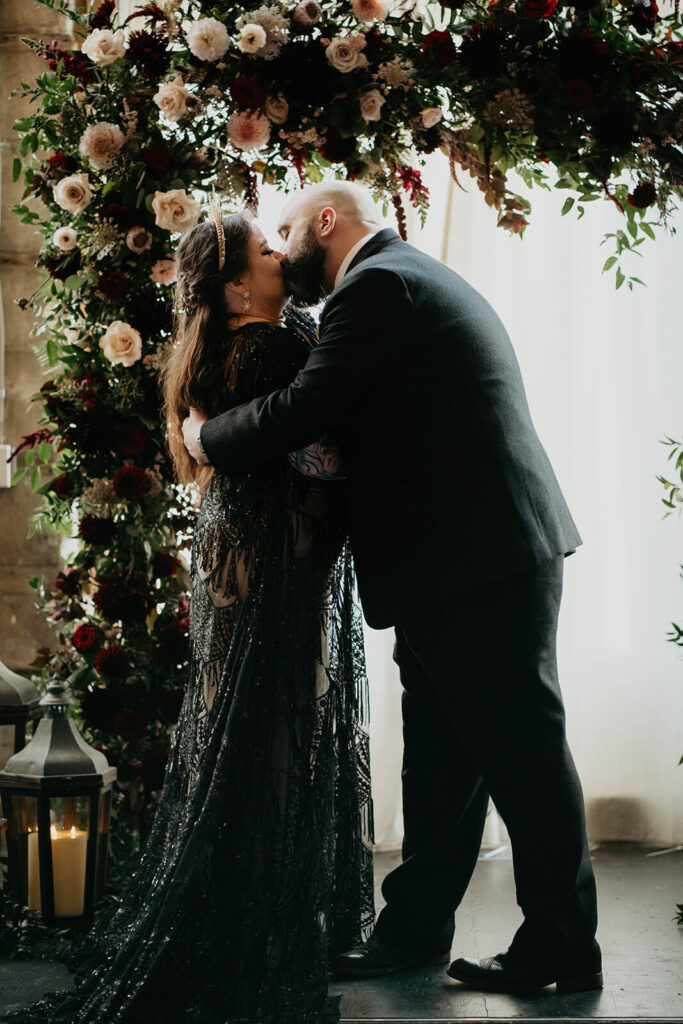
217,218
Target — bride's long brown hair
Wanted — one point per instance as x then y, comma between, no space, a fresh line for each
196,366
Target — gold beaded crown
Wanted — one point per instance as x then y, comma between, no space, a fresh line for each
217,218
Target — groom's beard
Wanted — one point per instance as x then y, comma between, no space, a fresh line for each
304,273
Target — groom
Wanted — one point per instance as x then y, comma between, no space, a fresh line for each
459,530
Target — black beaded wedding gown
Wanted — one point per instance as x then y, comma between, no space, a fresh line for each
258,866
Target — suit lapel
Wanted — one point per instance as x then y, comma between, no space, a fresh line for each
380,240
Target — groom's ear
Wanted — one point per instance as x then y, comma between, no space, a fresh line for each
327,218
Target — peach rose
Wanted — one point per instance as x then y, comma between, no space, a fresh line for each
308,13
277,108
344,54
73,193
100,143
172,98
175,210
65,238
371,104
249,130
207,39
370,10
104,46
431,116
121,343
163,271
252,38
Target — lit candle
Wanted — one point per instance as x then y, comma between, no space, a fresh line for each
69,849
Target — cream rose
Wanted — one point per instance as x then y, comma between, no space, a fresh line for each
163,271
207,39
344,54
121,343
277,108
252,38
100,143
104,46
249,130
139,239
73,193
172,98
65,238
370,10
371,104
308,13
175,210
431,116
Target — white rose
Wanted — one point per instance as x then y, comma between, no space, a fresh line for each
65,238
371,104
175,210
104,46
308,13
100,143
121,343
163,271
344,54
431,116
252,38
370,10
172,98
207,39
277,108
73,193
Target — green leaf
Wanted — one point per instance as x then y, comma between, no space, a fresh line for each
609,263
52,352
30,458
74,282
36,479
16,169
632,229
647,228
568,203
16,477
45,451
620,277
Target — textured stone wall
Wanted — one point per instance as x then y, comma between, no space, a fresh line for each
22,629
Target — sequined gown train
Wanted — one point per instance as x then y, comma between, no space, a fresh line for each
258,865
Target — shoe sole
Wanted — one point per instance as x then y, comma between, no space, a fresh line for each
377,972
563,986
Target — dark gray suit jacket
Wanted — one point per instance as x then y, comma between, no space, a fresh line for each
448,486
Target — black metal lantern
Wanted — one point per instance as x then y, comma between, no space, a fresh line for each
56,796
19,700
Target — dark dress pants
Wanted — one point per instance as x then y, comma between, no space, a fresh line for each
483,713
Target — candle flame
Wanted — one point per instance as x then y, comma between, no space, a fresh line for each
53,832
73,832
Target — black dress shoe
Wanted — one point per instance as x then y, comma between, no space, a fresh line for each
500,974
375,957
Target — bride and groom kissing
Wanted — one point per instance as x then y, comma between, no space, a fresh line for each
458,530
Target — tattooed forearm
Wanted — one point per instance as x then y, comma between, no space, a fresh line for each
320,460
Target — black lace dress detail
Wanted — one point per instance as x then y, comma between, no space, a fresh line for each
259,863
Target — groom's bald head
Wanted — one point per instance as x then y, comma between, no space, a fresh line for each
351,203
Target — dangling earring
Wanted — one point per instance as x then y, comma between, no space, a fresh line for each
246,302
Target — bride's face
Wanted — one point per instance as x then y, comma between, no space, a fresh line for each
264,278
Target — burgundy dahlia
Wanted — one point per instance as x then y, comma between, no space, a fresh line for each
439,48
113,285
578,93
643,195
336,148
97,530
85,637
61,267
148,52
131,482
129,724
132,440
69,582
112,662
157,160
61,164
375,42
164,565
125,599
63,486
102,16
247,93
644,16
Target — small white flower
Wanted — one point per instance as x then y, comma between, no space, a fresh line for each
65,238
431,116
277,108
103,46
121,343
175,210
139,239
207,39
252,38
73,193
274,25
101,143
371,104
172,98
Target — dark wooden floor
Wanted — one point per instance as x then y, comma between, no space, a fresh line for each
642,948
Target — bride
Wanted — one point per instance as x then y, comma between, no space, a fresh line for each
258,867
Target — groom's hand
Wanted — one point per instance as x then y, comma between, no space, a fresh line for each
191,426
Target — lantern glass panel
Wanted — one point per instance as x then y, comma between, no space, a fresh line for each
21,812
69,818
6,744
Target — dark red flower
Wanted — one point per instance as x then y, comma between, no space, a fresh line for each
172,641
428,140
157,160
453,5
170,705
164,565
482,50
439,48
582,55
112,661
131,482
120,214
97,530
102,16
113,285
247,93
63,486
60,164
131,440
61,267
578,93
540,8
85,637
72,63
69,582
149,313
97,707
125,599
154,768
336,148
374,42
643,195
129,724
148,52
644,16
